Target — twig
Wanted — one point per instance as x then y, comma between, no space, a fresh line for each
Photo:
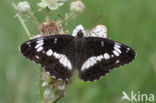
68,17
35,20
40,85
60,97
66,20
94,21
21,21
47,11
24,25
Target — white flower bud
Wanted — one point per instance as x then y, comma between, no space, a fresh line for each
61,86
45,83
23,7
48,95
77,7
42,5
51,4
45,76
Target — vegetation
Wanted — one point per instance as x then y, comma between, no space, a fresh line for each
130,22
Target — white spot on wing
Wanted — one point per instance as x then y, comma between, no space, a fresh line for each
112,55
106,56
88,64
117,61
56,55
128,48
115,53
55,40
85,65
65,62
91,63
62,59
93,60
100,57
117,49
60,56
49,52
39,49
37,57
39,44
40,41
102,43
28,42
117,45
96,58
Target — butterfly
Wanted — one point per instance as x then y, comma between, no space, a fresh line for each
92,56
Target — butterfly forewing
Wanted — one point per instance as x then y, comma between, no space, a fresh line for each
53,53
101,55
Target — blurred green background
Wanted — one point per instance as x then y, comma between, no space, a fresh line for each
132,22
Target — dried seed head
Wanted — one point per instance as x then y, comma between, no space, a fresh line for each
77,7
50,28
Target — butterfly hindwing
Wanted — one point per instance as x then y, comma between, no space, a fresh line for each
101,55
53,53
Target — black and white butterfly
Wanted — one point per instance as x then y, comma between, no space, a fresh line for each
92,56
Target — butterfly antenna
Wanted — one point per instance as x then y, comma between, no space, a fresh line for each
94,21
65,20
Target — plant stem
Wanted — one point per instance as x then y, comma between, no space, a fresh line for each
71,15
24,25
67,18
60,97
47,11
21,21
40,85
35,20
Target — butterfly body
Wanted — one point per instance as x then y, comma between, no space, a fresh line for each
92,56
